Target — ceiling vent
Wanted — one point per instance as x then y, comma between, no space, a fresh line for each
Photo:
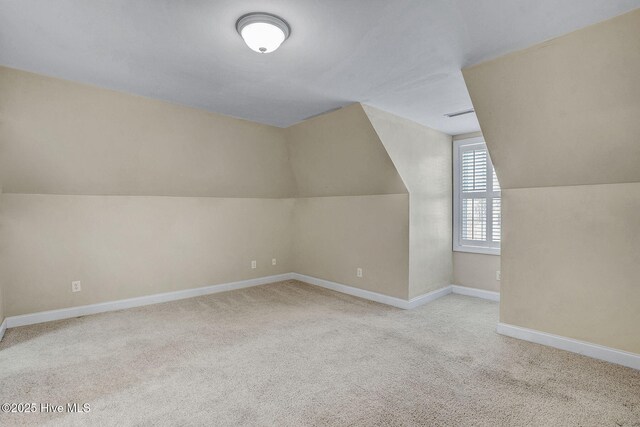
460,113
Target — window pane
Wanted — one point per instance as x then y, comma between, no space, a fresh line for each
474,170
474,219
496,222
477,226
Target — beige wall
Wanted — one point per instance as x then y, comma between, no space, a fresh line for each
105,161
60,137
475,270
339,154
571,262
564,112
2,315
422,156
333,236
556,115
123,246
87,173
2,278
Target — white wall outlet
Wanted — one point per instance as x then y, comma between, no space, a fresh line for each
76,286
254,264
498,276
358,272
273,261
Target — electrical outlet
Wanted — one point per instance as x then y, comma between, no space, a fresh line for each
274,261
359,272
254,264
76,286
498,276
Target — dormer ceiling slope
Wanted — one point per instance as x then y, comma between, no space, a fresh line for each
403,56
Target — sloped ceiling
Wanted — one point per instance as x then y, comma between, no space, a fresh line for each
340,154
419,153
60,137
94,141
400,56
564,112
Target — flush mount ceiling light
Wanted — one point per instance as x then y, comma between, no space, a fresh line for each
263,32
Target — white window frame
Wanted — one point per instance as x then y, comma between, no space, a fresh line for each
458,244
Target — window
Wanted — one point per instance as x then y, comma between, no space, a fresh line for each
476,199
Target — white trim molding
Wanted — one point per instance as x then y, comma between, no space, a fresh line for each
398,302
475,292
428,297
83,310
595,351
488,246
374,296
3,327
608,354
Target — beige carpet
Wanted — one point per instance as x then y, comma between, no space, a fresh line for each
290,354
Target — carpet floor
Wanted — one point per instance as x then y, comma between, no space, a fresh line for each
290,354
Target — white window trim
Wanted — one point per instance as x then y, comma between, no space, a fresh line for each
457,226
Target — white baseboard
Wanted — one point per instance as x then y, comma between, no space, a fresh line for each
428,297
608,354
475,292
66,313
374,296
595,351
3,327
84,310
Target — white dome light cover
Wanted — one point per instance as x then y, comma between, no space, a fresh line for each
263,32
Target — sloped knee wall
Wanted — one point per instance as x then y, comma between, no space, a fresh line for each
134,196
561,122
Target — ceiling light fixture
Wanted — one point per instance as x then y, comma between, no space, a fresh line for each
263,32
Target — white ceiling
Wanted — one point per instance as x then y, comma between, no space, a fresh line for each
402,56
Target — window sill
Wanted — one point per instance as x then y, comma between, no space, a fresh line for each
477,250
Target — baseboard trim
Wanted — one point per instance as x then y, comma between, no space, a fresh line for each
475,292
608,354
595,351
84,310
3,327
428,297
374,296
